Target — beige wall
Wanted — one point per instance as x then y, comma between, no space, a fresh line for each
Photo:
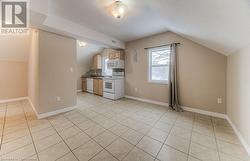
14,47
13,79
202,73
14,52
57,56
33,72
238,91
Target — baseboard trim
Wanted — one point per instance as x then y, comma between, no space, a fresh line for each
79,90
32,106
241,138
147,100
42,115
214,114
13,99
48,114
56,112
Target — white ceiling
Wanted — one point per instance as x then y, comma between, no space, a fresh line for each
222,25
95,15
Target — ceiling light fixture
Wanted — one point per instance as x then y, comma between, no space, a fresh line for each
118,9
81,43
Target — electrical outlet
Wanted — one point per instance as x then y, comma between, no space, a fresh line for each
71,70
58,98
136,89
219,100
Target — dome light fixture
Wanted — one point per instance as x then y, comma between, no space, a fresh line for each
81,43
118,9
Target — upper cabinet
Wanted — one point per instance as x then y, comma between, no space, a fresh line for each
97,62
117,54
114,54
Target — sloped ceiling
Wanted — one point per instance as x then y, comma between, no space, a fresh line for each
85,54
222,25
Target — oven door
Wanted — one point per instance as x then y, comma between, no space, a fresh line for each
108,86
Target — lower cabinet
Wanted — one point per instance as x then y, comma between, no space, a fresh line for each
84,84
98,87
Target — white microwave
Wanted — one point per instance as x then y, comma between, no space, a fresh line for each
116,63
118,72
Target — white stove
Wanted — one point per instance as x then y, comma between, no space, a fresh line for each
113,87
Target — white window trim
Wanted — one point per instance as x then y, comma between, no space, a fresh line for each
150,65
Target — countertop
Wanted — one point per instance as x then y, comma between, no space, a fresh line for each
103,77
100,77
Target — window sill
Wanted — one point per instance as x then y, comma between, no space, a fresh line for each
159,82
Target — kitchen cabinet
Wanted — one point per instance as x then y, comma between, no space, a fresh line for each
97,62
98,86
84,84
116,54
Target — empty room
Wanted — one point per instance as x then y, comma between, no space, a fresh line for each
125,80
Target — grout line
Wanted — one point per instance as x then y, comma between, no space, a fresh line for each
190,142
64,155
166,138
129,128
150,137
30,131
62,139
92,139
19,138
14,150
5,112
217,146
144,135
15,139
103,132
45,136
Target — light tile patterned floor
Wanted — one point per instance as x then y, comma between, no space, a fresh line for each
104,130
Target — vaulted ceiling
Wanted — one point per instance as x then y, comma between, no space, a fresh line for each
85,54
222,25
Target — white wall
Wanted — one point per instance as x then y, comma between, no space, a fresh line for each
238,91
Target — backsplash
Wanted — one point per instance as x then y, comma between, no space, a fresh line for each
94,73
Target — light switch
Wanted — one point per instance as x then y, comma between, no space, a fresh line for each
71,70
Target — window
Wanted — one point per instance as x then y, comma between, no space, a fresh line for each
158,64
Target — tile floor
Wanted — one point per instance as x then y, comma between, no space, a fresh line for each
104,130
